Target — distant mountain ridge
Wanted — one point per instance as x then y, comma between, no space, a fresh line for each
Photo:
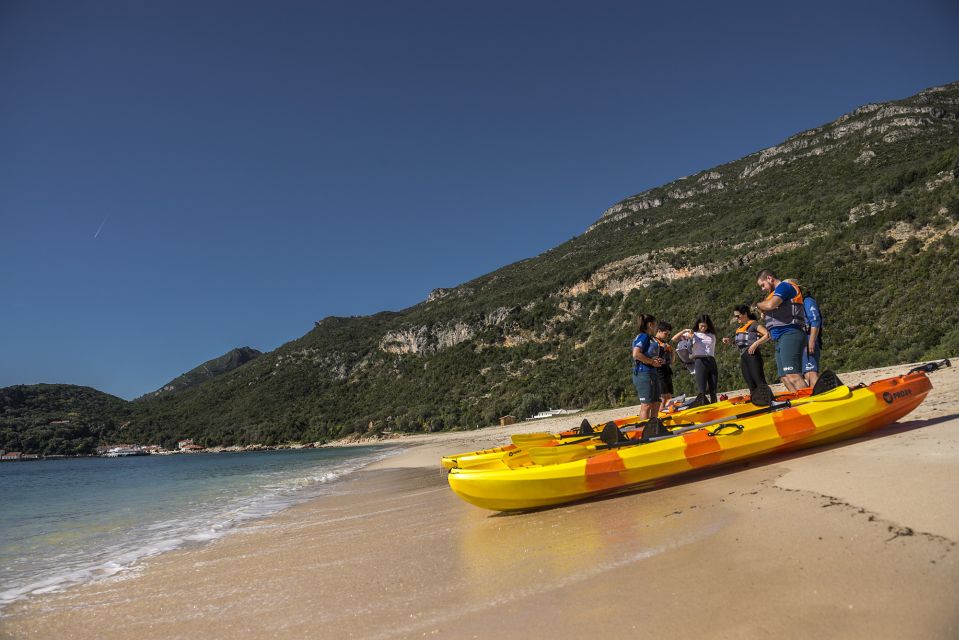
207,371
864,211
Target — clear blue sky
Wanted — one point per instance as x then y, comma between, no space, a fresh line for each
181,178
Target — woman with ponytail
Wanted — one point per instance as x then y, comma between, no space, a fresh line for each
646,360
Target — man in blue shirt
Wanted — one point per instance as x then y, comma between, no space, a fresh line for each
813,346
810,357
786,321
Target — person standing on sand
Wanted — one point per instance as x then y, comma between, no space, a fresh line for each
646,360
813,347
750,335
666,370
786,322
703,352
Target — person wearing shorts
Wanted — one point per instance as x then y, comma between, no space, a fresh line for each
646,360
813,348
786,322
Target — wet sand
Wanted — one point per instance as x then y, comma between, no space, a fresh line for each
855,540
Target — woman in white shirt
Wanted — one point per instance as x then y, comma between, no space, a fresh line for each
703,352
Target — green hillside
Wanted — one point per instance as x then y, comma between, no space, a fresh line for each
58,419
864,211
207,371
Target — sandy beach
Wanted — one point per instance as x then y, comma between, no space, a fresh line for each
854,540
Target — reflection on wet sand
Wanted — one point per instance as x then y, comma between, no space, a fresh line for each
538,551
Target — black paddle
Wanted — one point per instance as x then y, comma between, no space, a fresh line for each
929,367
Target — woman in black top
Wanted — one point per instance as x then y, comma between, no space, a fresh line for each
749,336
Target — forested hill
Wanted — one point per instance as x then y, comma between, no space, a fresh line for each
864,211
207,371
59,419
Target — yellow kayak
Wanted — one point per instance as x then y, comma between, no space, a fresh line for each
516,454
554,477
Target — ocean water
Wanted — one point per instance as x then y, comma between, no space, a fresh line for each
64,522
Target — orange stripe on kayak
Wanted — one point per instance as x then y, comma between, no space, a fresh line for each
603,471
702,449
792,424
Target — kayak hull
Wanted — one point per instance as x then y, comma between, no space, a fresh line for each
835,415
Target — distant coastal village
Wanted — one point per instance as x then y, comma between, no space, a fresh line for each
187,445
129,450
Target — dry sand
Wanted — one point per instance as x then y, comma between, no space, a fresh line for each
856,540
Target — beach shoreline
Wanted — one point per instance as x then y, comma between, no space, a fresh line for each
856,539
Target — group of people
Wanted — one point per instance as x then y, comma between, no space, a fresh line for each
792,320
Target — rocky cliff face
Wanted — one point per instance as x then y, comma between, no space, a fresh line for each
864,130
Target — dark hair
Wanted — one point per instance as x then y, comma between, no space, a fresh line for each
710,328
746,311
665,326
644,320
765,273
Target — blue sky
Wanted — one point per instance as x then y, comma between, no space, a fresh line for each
181,178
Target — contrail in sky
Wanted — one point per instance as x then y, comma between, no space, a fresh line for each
101,227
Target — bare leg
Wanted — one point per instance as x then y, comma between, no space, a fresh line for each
794,381
811,378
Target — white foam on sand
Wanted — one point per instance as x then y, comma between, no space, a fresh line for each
202,523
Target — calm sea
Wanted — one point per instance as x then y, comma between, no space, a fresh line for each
63,522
